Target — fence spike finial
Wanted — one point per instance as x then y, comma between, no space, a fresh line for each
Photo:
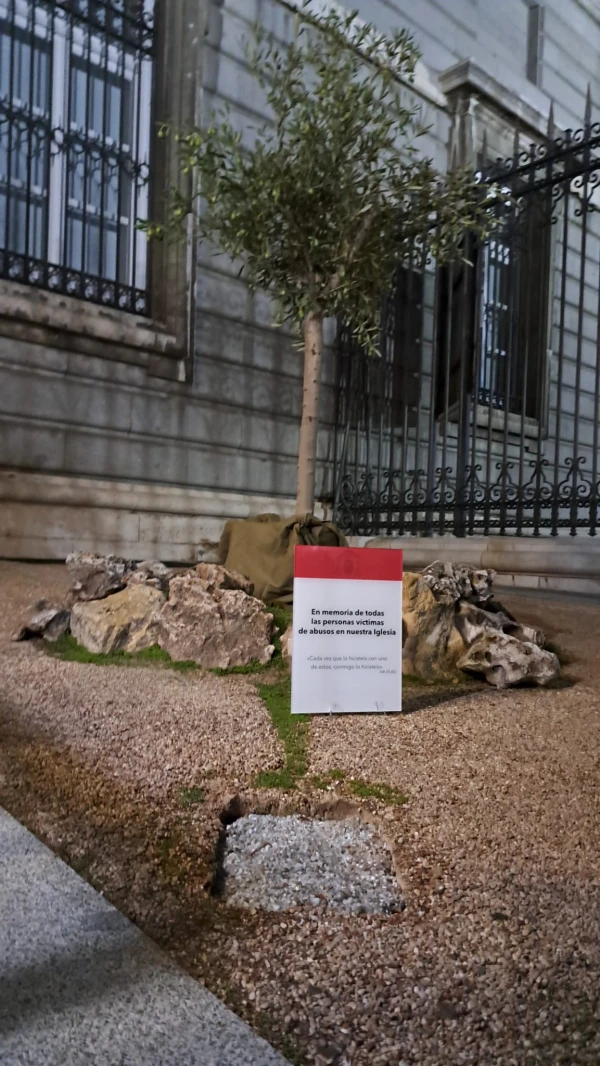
588,105
550,132
516,144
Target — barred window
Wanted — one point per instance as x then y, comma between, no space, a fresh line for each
496,315
75,111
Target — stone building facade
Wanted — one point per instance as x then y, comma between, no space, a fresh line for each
138,411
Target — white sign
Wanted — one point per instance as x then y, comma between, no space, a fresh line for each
347,640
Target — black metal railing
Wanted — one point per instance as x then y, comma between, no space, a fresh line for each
482,413
75,101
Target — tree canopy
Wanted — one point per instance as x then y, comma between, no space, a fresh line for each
333,191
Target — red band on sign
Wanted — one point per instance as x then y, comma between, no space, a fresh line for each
348,564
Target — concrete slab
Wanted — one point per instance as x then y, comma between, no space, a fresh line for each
81,986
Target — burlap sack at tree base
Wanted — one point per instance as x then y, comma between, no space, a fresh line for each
262,549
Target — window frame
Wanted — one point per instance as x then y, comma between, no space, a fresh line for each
160,340
517,423
73,47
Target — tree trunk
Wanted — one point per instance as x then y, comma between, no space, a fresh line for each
307,449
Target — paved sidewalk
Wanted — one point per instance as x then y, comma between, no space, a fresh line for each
81,986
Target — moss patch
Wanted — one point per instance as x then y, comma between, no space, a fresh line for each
292,731
358,787
385,793
67,649
275,779
191,796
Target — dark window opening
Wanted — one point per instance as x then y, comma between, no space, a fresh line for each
385,388
75,102
493,317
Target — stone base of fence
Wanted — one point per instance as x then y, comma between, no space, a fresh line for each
558,564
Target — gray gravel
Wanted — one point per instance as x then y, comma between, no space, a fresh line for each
275,864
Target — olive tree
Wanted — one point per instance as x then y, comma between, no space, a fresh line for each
333,191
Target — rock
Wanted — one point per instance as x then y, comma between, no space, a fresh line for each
431,645
215,627
495,607
151,572
529,634
208,551
286,644
43,619
472,622
125,621
217,577
95,576
451,582
504,660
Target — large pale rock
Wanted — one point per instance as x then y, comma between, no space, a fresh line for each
218,577
431,644
43,619
286,644
126,621
215,627
93,577
451,582
151,572
504,660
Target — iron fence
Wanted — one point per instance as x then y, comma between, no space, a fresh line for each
75,103
481,413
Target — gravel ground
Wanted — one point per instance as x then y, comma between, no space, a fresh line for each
496,959
277,863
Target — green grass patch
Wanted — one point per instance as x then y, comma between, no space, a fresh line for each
385,793
67,649
250,668
292,731
359,788
282,779
326,780
321,781
190,797
337,775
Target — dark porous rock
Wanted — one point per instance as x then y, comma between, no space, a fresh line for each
43,619
93,577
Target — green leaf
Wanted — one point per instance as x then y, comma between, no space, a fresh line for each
332,193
